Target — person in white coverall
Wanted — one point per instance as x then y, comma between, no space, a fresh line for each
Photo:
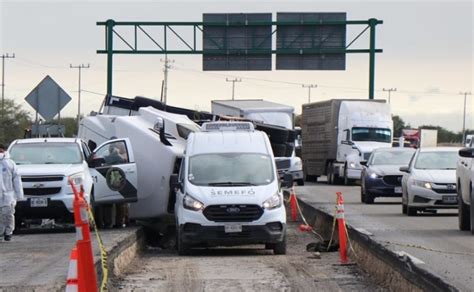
11,190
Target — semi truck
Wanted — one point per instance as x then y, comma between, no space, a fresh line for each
269,114
340,133
158,139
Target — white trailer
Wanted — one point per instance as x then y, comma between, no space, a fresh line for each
340,133
428,138
158,139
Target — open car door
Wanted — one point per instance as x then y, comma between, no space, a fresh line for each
114,172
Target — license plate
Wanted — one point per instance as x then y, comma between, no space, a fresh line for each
450,199
38,202
232,228
398,190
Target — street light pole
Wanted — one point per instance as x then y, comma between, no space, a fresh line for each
309,86
389,92
4,56
464,116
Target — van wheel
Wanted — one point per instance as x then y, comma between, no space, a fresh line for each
464,213
183,249
280,247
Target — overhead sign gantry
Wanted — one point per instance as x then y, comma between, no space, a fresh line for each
236,41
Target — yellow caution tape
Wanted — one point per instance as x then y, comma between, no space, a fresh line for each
103,253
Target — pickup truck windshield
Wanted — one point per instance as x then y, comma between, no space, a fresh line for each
230,169
437,160
46,153
371,134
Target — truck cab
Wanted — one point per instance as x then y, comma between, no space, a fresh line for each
228,190
47,164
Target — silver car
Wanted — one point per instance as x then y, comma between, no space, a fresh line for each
429,181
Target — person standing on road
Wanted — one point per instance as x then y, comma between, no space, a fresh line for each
11,190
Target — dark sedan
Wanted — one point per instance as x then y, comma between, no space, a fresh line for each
381,176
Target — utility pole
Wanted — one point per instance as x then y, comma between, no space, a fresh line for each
389,90
309,86
4,56
464,116
233,84
166,68
80,67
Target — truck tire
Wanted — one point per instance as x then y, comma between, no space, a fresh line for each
279,150
464,213
275,134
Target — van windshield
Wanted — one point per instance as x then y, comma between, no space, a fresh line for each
371,134
46,153
231,169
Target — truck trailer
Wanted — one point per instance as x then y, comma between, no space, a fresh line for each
340,133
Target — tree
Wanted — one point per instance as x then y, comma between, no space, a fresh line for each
398,125
16,120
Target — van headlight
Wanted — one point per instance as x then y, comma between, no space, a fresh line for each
423,184
191,203
272,202
77,178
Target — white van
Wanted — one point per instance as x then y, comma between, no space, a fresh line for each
228,190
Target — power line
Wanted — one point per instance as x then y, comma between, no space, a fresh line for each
79,67
309,86
4,56
233,84
389,90
464,116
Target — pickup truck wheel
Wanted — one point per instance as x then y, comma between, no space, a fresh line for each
183,249
464,213
280,247
411,211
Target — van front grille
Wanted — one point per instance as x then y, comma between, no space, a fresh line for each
233,213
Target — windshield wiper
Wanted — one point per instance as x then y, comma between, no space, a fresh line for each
231,183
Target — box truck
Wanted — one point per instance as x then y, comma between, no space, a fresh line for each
339,133
421,137
267,114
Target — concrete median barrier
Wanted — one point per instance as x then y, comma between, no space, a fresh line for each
397,271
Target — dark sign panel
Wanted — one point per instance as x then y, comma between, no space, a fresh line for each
236,45
310,47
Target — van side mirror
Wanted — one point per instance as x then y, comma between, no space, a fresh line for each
174,182
94,162
287,180
405,169
467,152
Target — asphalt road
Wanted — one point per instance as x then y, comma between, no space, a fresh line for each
249,268
445,251
40,261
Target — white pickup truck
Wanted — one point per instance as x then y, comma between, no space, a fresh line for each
465,182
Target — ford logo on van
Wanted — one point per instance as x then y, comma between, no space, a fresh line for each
233,210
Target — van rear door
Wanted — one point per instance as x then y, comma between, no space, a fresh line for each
115,176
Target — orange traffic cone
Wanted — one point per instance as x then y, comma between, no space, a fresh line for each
341,224
294,211
87,278
72,283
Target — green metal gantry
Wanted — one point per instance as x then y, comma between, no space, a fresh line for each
192,48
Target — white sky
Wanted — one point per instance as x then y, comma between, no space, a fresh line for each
428,55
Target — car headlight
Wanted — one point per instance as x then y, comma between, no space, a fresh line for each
272,202
423,184
191,203
373,175
77,179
